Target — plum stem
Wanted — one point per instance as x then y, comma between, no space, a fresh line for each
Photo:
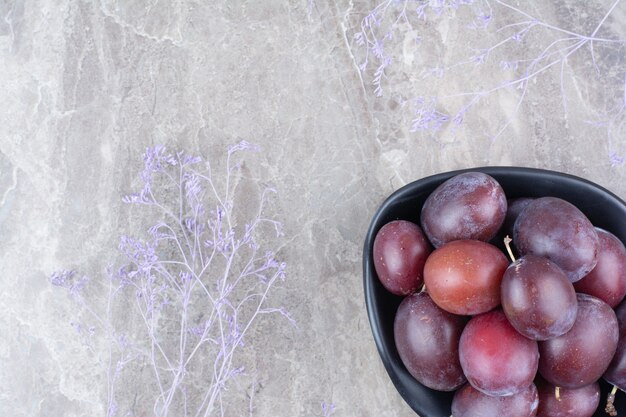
507,241
610,408
557,393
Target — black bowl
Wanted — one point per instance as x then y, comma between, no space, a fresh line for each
604,210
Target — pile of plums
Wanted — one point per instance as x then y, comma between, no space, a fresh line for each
520,338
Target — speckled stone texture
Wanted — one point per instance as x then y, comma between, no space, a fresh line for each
88,85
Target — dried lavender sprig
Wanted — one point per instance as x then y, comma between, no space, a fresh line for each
428,116
164,281
374,43
328,409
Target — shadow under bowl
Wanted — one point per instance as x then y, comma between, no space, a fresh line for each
603,208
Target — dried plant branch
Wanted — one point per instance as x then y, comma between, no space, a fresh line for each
197,282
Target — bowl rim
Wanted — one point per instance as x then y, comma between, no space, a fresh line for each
369,273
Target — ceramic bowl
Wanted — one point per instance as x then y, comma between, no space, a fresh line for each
604,210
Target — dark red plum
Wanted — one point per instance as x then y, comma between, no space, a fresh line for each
495,358
514,208
616,372
557,230
577,402
427,339
469,402
537,298
607,280
400,251
582,355
471,205
463,277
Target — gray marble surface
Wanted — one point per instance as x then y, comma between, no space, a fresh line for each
87,86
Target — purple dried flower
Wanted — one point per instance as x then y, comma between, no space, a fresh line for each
242,146
77,326
196,331
380,26
375,29
378,75
427,117
122,341
509,65
193,189
62,278
309,8
190,223
327,409
615,159
142,254
283,313
371,18
359,37
157,232
235,372
184,276
78,285
480,57
378,49
519,36
188,160
420,11
270,261
157,158
437,6
482,20
139,198
67,279
112,412
173,279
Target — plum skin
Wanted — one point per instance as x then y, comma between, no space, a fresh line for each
582,355
616,372
495,358
400,251
464,276
471,205
469,402
607,280
556,229
427,340
537,298
577,402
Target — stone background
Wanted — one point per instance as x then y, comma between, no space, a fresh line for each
88,85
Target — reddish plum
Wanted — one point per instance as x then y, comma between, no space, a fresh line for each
556,229
463,277
607,280
495,358
469,402
514,208
471,205
577,402
400,251
616,372
427,339
582,355
537,298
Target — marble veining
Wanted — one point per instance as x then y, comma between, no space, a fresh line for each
87,86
